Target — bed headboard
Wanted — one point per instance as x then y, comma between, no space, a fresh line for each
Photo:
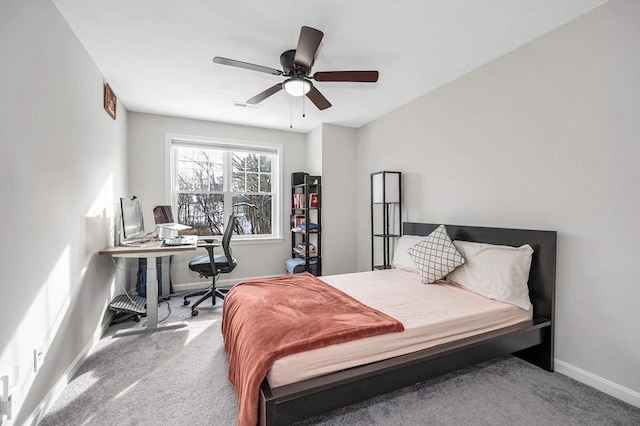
542,276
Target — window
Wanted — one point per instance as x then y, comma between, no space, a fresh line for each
211,179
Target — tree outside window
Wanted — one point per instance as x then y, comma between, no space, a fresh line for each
210,183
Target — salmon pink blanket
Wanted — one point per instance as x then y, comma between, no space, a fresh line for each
269,318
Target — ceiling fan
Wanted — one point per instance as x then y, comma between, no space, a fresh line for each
296,65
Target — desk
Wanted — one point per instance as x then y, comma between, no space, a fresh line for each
151,251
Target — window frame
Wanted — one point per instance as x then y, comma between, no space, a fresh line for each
277,166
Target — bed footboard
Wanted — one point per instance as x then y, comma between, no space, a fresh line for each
298,401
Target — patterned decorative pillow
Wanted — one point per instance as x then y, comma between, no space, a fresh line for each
436,256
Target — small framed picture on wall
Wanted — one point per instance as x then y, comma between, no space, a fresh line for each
110,101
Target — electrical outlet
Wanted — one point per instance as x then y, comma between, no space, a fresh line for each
5,408
38,358
5,399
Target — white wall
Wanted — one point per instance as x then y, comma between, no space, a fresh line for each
332,154
147,180
339,207
62,165
314,152
545,137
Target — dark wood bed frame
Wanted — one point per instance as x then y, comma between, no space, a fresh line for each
531,341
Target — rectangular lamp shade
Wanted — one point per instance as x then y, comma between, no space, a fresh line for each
385,187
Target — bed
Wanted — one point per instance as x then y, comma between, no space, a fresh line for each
286,400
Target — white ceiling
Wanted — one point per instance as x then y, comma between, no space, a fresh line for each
157,55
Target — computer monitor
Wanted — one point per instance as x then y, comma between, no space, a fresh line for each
132,221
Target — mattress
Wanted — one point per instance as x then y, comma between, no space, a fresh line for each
432,314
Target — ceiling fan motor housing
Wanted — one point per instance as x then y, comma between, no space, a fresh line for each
286,60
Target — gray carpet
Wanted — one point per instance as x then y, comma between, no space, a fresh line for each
179,378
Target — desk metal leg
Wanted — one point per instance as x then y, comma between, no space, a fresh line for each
152,306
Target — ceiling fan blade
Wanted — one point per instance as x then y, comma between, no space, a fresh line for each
307,47
318,99
246,65
264,95
353,76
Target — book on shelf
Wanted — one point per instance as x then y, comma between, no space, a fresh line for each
301,246
301,252
297,220
299,201
313,200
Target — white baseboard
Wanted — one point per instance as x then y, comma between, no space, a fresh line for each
48,401
201,285
179,288
625,394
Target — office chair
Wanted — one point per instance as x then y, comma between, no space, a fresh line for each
210,265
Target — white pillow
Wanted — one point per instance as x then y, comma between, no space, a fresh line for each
493,271
401,258
435,256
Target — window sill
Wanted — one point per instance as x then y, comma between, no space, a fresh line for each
254,241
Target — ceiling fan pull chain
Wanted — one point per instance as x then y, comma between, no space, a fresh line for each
303,104
291,112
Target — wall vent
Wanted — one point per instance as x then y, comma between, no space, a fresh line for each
245,105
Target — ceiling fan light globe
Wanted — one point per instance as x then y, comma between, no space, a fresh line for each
297,86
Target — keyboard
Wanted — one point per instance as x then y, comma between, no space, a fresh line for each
135,242
176,241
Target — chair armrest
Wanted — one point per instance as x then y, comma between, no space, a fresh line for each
208,242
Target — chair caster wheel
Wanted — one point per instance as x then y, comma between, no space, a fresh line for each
186,302
194,313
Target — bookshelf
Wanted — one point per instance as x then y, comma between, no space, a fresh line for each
306,208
